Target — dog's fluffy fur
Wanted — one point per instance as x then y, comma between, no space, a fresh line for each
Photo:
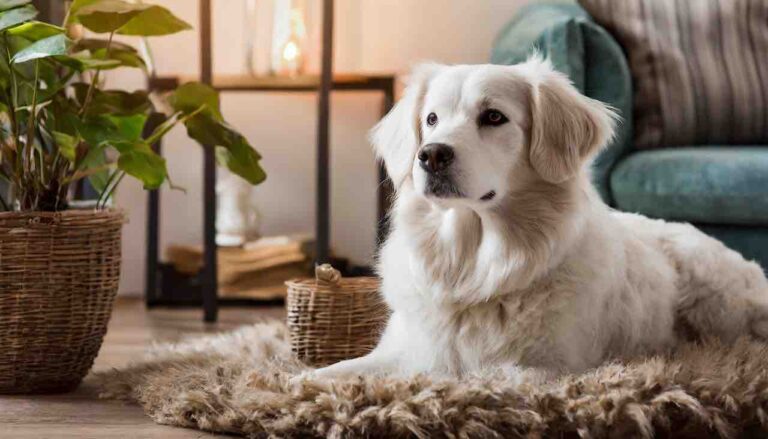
543,274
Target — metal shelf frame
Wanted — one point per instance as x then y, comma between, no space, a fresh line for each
323,86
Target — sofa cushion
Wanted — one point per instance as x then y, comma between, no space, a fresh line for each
699,68
750,241
714,185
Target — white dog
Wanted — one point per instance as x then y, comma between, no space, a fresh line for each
503,255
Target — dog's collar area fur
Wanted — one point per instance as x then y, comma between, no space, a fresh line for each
470,256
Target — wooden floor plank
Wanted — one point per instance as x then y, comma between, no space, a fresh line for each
81,414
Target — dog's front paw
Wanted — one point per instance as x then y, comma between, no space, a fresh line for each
343,370
335,371
301,378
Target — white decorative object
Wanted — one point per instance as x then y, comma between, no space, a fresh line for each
259,19
237,218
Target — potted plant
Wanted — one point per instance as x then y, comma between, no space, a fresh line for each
59,266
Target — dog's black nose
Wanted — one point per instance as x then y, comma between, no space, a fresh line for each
435,157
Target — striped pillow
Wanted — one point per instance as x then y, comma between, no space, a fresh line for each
700,68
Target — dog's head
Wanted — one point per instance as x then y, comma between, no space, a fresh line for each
462,133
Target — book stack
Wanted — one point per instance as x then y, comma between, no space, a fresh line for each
257,270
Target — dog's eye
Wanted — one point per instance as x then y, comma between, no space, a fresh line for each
493,118
431,119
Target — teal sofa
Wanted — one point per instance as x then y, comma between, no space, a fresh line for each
722,189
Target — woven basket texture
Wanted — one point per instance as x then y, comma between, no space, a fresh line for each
334,320
59,274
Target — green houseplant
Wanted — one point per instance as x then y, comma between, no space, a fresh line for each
59,125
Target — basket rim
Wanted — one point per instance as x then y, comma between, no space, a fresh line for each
111,212
361,283
67,212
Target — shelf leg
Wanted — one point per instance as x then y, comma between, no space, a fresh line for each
209,281
151,290
210,278
323,207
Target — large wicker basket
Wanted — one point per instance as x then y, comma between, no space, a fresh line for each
59,275
331,318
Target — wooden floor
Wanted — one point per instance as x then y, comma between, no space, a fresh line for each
81,414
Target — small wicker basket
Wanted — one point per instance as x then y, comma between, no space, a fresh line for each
331,318
59,275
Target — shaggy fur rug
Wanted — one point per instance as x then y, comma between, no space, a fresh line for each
239,383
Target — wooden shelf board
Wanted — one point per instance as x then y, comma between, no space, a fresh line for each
280,83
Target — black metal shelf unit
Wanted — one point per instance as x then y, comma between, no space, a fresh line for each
323,85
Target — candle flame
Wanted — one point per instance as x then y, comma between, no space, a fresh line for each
291,56
290,51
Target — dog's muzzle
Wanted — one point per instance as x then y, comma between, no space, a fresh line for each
435,157
436,160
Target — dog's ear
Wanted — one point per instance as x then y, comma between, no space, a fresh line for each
398,135
567,127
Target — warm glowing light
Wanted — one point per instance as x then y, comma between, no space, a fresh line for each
290,51
291,55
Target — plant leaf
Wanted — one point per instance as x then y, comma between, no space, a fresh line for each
97,130
25,71
232,149
140,161
121,58
113,102
242,160
62,117
35,30
208,128
95,158
9,4
155,21
75,7
119,54
47,47
93,44
50,82
167,124
67,145
131,127
189,97
12,17
126,18
106,16
104,130
83,61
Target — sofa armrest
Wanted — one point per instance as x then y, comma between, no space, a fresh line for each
578,47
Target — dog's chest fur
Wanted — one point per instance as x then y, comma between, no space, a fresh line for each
512,330
467,299
462,296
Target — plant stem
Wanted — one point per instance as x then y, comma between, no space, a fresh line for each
106,187
82,174
12,105
109,191
42,168
4,204
95,79
31,123
162,131
66,15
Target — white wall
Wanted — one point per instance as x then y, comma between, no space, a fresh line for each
371,36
